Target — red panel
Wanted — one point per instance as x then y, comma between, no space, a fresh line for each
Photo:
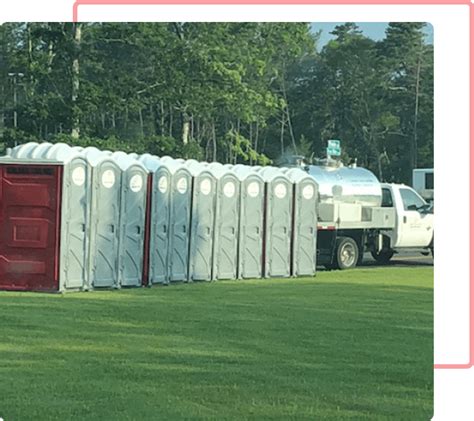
29,217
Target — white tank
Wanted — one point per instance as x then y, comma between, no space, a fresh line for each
347,185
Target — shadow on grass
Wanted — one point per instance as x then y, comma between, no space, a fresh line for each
300,349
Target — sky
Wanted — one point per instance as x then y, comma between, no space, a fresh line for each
374,30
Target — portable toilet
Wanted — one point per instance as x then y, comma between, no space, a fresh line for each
251,228
133,218
202,222
278,222
105,219
226,231
159,218
44,213
305,221
180,222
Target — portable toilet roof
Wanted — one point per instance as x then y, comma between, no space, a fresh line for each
53,217
166,158
241,166
151,162
23,151
195,167
305,220
40,149
217,166
148,160
269,173
89,149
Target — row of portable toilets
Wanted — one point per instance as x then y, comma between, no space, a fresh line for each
79,218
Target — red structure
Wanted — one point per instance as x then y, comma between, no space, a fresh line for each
30,200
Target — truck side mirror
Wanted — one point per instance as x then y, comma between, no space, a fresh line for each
412,208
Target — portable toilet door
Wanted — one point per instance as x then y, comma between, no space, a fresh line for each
251,229
202,223
305,220
76,192
34,205
160,221
180,223
105,221
278,223
133,200
225,247
30,203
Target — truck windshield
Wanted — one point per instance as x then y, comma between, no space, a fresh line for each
411,201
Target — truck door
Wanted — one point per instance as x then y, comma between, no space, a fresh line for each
415,227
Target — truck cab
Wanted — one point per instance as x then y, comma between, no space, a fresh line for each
414,219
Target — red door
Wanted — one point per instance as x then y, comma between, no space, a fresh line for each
29,227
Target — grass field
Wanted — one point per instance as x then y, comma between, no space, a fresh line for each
344,345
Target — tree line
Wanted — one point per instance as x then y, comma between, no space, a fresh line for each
231,92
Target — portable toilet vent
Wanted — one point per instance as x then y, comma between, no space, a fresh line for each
251,228
44,214
305,221
278,222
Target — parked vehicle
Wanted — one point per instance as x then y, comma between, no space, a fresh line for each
423,183
359,214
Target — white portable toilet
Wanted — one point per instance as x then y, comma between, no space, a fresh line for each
180,222
278,222
49,229
159,218
202,222
226,228
133,218
251,226
105,219
305,221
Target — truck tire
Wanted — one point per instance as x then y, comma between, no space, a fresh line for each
383,256
347,253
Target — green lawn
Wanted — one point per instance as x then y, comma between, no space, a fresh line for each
343,345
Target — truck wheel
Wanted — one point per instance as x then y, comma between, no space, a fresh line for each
347,253
383,256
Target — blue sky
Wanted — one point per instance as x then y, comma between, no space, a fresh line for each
374,30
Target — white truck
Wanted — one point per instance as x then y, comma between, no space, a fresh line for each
359,214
